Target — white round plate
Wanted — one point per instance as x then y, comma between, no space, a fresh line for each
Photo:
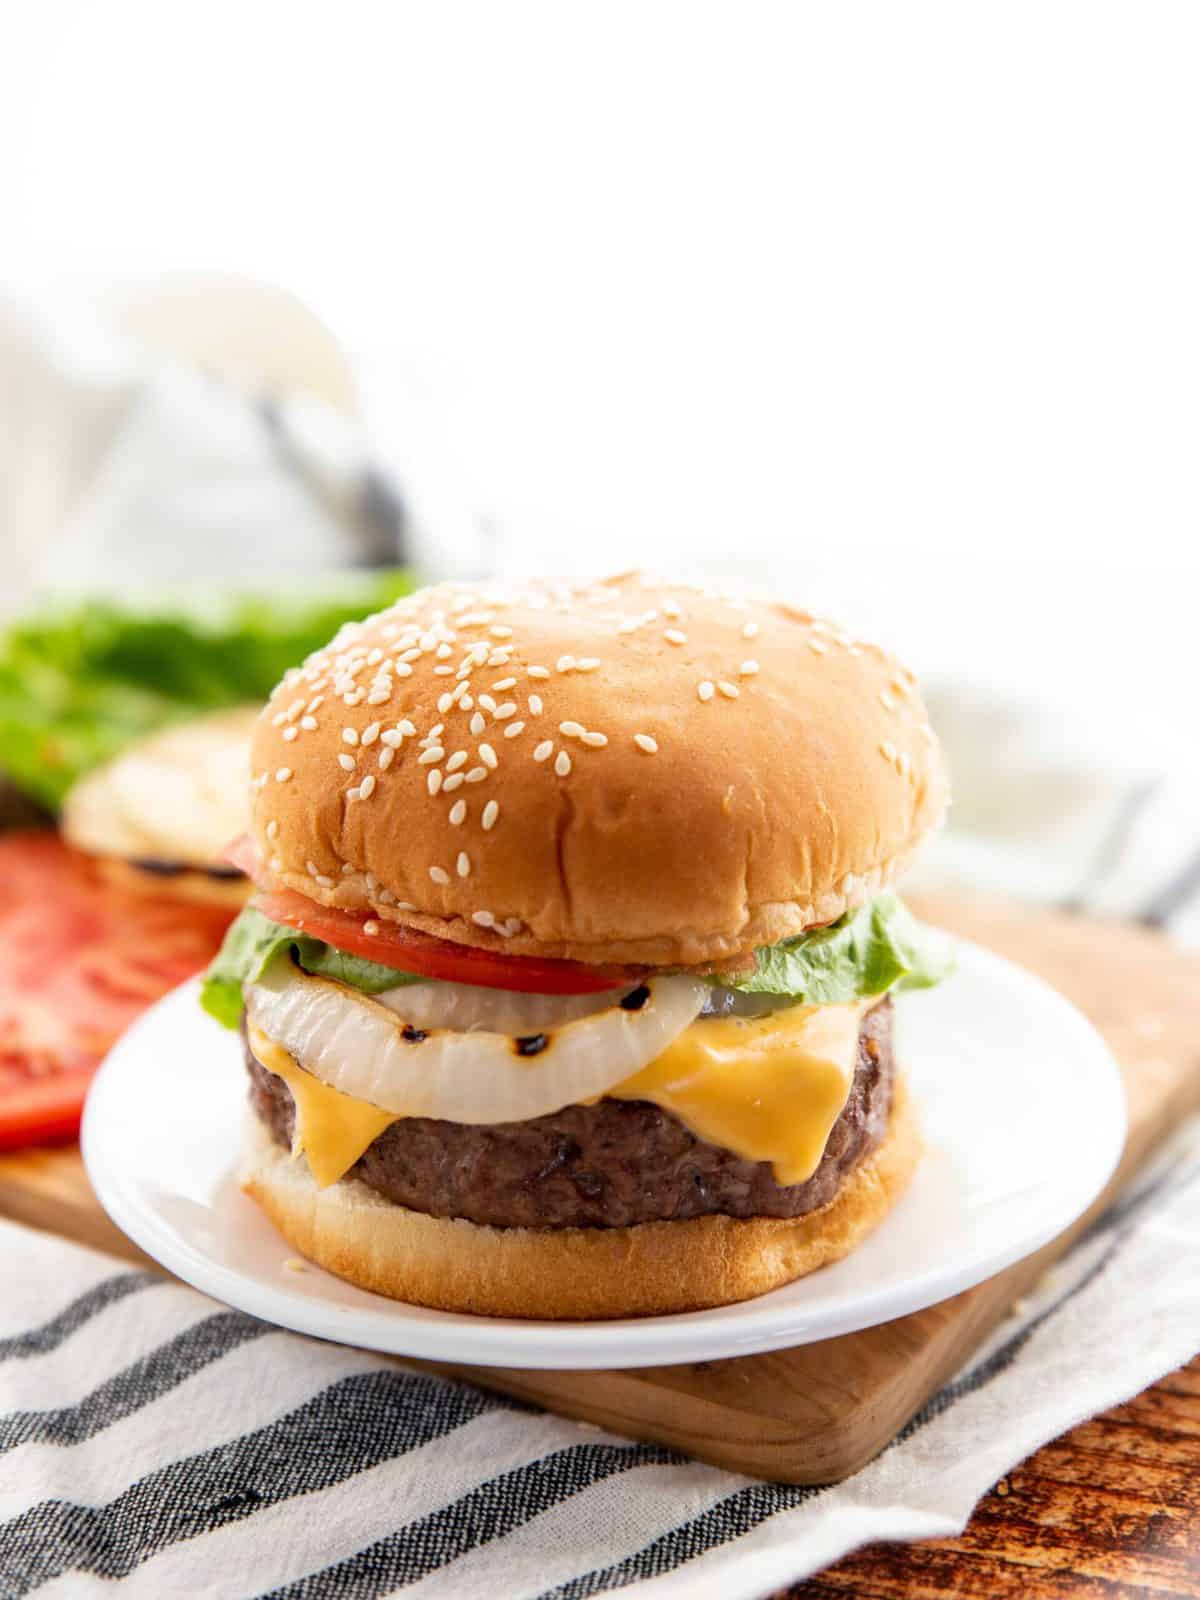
1020,1101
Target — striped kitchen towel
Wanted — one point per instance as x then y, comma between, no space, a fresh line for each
155,1442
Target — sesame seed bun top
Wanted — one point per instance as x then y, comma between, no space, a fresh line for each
627,770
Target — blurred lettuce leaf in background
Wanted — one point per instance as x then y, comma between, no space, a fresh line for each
80,680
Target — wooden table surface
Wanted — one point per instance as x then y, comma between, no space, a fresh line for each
1112,1509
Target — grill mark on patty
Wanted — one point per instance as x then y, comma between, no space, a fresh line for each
607,1165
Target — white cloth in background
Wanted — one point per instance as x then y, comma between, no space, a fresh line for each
124,472
1054,805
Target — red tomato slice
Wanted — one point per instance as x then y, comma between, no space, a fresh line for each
79,959
412,951
243,854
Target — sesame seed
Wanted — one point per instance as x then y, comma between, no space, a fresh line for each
596,741
406,728
490,812
888,750
369,735
535,705
729,690
645,742
513,729
476,775
487,702
454,781
371,926
309,724
750,631
818,647
572,730
748,668
289,734
443,672
500,630
367,787
705,690
443,650
886,700
379,695
315,704
458,813
354,699
675,636
346,762
445,701
466,701
562,763
434,781
564,663
539,672
439,875
386,756
488,756
458,759
504,683
350,735
352,794
482,919
282,774
502,713
463,864
272,829
432,754
587,663
544,750
392,737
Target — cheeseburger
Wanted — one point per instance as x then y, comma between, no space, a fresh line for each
159,816
566,990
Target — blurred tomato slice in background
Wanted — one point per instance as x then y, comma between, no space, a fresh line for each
79,959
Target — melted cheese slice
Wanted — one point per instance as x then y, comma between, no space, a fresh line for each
768,1088
331,1128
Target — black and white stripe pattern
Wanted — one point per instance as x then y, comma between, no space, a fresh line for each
153,1442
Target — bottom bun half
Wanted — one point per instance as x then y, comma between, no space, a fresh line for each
567,1274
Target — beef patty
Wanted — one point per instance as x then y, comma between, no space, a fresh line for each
606,1165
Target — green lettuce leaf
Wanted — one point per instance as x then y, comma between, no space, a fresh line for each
78,682
254,941
878,947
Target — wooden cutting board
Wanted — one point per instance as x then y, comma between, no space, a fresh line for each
816,1413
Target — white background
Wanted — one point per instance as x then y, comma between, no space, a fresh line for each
892,304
